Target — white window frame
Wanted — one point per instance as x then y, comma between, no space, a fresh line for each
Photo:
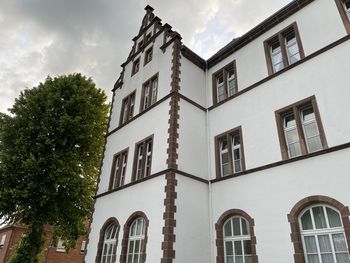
306,122
241,238
222,152
290,43
236,147
288,129
109,242
275,52
2,240
140,153
220,85
60,247
82,247
150,90
133,238
324,231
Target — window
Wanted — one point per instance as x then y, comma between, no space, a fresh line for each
148,37
140,45
143,158
135,66
2,240
344,10
83,246
225,83
136,241
149,93
283,49
300,129
118,169
229,152
109,247
148,55
60,246
237,240
127,111
323,235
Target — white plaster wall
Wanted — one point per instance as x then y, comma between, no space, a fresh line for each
192,222
122,205
192,82
154,122
269,195
192,151
160,63
325,76
316,31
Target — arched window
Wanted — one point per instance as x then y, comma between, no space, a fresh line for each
323,235
237,240
136,241
107,245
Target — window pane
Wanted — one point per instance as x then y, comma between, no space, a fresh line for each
327,258
229,259
324,243
238,259
236,140
289,121
238,166
333,217
310,243
278,67
313,258
236,154
136,258
306,222
225,169
314,144
292,136
247,247
339,242
342,258
229,248
224,157
244,227
311,129
320,220
248,259
227,229
294,58
294,149
131,246
238,248
236,226
137,246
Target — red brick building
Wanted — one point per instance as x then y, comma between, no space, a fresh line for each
11,234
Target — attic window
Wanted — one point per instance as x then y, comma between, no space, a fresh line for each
140,45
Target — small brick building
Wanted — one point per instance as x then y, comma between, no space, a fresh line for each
11,234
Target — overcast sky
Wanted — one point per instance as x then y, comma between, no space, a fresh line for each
55,37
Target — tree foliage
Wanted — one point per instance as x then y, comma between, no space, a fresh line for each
50,149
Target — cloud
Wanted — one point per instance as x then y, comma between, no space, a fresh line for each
50,37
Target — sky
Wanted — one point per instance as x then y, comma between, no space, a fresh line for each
94,37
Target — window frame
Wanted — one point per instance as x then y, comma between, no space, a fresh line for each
121,172
280,37
228,136
295,108
343,14
144,168
130,112
135,66
59,246
151,100
135,238
223,72
220,245
2,240
110,221
147,52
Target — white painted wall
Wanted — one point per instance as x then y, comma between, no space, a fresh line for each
160,63
154,122
269,195
255,110
319,24
122,205
192,82
192,222
192,151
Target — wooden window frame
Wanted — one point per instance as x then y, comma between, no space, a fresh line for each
148,82
220,257
130,112
343,15
135,69
280,37
228,136
118,177
295,109
223,71
148,51
293,219
126,231
144,143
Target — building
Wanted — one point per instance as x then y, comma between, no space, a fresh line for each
10,235
240,158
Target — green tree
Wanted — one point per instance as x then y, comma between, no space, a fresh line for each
50,149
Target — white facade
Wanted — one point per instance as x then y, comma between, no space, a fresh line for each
173,176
